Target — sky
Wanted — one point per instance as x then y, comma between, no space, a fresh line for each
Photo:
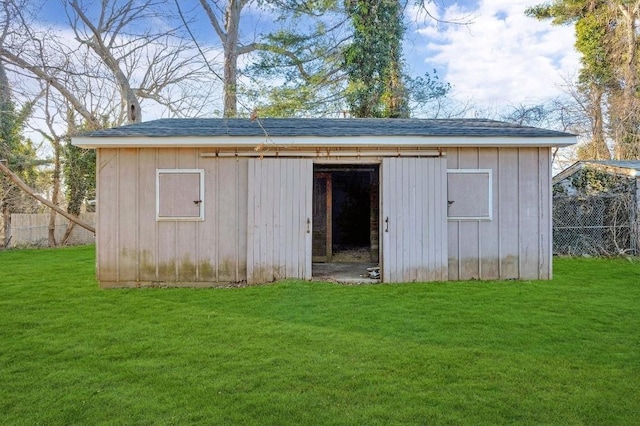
495,57
500,57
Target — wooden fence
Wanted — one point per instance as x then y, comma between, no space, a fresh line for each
32,230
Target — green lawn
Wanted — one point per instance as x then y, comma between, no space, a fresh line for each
561,352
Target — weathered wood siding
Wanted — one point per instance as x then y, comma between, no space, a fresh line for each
256,211
134,248
516,243
414,222
279,231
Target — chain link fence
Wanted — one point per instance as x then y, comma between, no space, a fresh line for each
595,225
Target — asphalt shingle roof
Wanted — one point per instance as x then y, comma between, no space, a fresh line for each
625,164
324,127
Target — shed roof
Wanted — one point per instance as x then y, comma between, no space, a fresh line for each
327,127
312,131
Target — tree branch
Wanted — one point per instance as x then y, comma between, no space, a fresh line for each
214,21
28,190
275,49
43,75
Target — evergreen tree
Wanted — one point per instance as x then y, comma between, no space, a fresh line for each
373,61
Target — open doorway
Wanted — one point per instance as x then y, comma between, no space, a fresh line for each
345,218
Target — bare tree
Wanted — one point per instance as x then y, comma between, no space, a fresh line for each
97,71
138,45
129,47
225,20
40,55
104,37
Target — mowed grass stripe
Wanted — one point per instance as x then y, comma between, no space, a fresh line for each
544,352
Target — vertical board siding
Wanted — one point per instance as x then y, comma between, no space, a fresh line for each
263,236
146,226
545,265
208,248
453,226
229,229
305,244
107,215
516,243
529,219
278,237
489,245
389,199
187,231
508,210
290,215
440,271
469,237
133,247
221,236
414,219
167,230
128,215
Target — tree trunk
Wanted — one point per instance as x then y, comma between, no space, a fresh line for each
5,98
5,90
601,151
51,231
232,27
67,233
56,191
6,216
230,82
630,112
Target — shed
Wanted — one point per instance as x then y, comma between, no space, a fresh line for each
204,202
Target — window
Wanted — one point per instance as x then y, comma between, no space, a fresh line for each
180,194
469,194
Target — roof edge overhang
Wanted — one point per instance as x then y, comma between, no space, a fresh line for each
321,141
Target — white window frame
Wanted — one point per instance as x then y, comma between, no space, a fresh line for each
489,173
200,172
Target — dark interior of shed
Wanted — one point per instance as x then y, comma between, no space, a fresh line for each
345,213
351,211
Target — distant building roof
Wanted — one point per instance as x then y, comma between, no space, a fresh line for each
622,164
621,167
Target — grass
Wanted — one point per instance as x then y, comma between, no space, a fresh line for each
565,351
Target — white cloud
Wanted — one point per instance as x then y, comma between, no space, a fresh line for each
502,57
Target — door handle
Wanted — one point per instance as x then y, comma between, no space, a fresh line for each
308,226
386,221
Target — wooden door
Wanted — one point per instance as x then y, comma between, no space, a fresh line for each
414,219
322,219
279,222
